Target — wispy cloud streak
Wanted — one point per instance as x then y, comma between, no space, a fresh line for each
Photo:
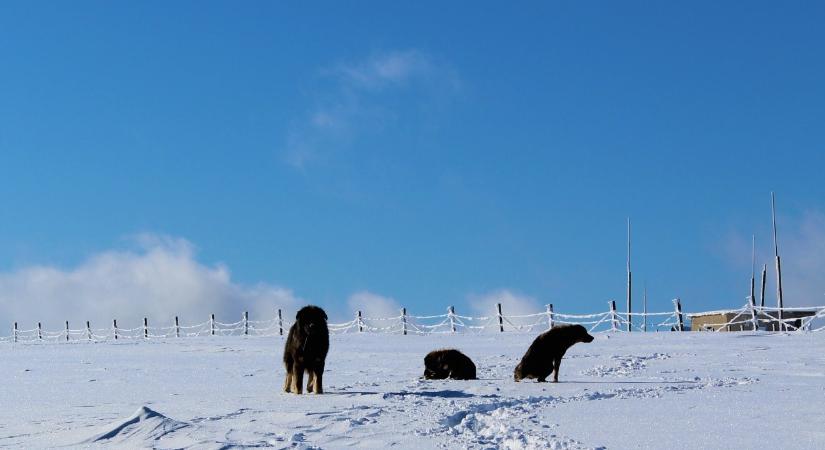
361,101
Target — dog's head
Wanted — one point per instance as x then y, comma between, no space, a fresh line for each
581,334
518,374
310,319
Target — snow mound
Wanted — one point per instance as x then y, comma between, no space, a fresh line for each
144,426
500,424
624,365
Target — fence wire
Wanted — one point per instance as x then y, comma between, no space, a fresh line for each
746,318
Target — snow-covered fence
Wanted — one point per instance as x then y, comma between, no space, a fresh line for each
748,317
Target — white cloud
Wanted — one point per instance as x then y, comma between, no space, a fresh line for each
373,305
159,280
803,261
802,249
512,303
393,68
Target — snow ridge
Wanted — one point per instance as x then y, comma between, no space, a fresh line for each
144,426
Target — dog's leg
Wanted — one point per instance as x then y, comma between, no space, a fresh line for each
288,378
297,378
556,365
544,372
319,377
310,381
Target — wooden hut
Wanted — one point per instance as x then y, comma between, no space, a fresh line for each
720,320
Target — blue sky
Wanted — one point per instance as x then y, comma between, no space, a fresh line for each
431,153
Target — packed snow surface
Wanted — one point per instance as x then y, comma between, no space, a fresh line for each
654,390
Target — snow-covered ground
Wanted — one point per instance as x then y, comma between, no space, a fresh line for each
657,390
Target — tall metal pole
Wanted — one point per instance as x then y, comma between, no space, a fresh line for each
764,281
779,302
629,282
753,271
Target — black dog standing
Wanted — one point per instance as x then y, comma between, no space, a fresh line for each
545,353
306,350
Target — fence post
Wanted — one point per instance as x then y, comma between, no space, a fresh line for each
15,332
678,304
177,327
280,323
39,331
614,325
450,314
88,330
359,322
550,316
500,319
114,327
212,324
246,323
67,331
404,321
145,328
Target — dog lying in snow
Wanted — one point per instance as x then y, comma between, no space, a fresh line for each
306,350
545,353
448,363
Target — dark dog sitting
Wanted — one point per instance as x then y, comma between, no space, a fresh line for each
306,350
448,363
545,353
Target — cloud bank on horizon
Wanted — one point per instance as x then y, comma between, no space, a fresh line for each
159,280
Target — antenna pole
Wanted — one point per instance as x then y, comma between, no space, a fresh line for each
629,282
764,280
779,302
753,270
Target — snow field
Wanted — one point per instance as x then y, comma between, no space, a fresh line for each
654,390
